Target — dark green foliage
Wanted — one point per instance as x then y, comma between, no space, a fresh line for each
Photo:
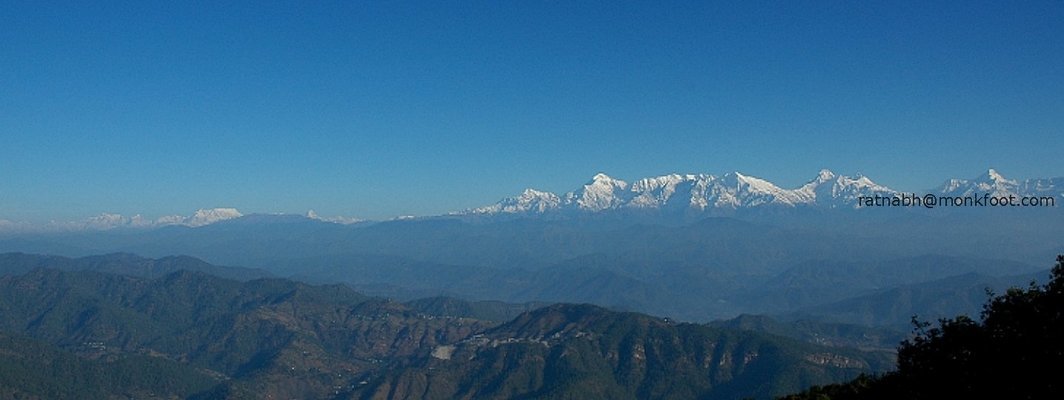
264,337
587,352
31,368
1014,353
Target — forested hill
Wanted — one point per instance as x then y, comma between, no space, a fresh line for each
193,335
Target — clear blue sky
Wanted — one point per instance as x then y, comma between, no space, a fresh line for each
377,110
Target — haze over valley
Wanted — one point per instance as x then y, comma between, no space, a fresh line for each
692,247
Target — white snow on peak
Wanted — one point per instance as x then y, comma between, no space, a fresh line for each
602,177
603,182
664,191
993,175
995,184
738,191
834,191
994,178
209,216
600,194
138,221
991,182
105,221
531,200
311,214
663,181
753,184
952,185
534,194
170,220
108,221
824,175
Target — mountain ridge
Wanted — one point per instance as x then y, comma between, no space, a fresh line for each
734,190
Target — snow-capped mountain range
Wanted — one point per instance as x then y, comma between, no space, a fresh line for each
673,192
201,217
336,220
108,221
995,184
731,191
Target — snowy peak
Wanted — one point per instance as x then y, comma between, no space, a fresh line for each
735,190
993,175
994,179
1045,186
311,214
824,175
601,178
601,193
838,191
209,216
673,190
530,201
538,201
108,221
750,184
537,195
991,182
995,184
602,183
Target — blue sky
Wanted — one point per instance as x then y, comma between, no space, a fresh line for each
377,110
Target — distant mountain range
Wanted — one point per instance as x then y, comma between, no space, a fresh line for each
695,194
201,217
996,185
123,264
731,191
